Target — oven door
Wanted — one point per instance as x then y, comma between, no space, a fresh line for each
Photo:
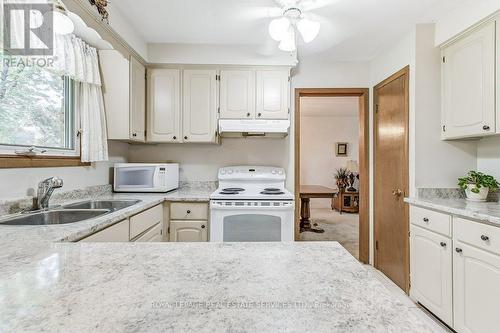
242,221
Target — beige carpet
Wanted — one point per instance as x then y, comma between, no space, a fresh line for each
342,228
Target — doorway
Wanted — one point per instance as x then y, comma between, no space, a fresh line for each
391,170
327,198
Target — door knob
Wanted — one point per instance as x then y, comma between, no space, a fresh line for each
397,193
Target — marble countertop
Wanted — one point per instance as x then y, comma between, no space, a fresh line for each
485,212
200,287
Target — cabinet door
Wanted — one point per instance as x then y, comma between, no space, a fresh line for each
431,272
145,220
476,280
115,70
273,94
469,85
152,235
199,106
237,94
137,100
188,231
164,109
118,232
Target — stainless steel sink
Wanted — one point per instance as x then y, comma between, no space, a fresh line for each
50,217
112,205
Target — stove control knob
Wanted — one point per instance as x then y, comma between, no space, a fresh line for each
223,172
230,171
273,172
280,172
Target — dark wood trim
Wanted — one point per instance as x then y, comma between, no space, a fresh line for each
364,158
9,161
403,72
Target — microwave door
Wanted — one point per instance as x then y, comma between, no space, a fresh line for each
135,178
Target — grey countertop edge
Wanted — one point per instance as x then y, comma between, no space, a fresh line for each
483,212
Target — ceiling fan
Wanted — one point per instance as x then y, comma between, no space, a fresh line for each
294,21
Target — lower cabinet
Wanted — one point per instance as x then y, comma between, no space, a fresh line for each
155,234
476,284
118,232
431,272
188,231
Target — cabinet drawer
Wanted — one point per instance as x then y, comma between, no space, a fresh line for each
145,220
152,235
188,211
483,236
116,233
431,220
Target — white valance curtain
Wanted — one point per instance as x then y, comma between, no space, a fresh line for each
78,60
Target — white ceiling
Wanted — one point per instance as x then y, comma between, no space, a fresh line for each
329,106
350,29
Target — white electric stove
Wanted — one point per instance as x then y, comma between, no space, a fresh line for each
251,205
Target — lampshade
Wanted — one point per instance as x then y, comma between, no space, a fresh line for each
352,166
278,28
308,29
288,42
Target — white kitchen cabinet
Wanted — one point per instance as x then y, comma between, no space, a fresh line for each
145,220
431,272
272,94
152,235
476,280
124,89
200,106
118,232
468,85
164,105
237,94
188,231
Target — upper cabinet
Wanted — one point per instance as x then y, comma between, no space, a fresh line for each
468,84
237,94
273,94
199,106
124,89
164,105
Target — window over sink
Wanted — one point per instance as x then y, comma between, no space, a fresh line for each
37,111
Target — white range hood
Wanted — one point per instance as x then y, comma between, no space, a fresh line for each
253,128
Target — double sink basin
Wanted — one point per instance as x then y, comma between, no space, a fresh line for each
70,213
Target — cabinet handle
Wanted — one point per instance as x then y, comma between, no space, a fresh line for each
185,138
459,250
426,220
485,238
248,114
203,226
486,128
134,135
259,114
175,138
188,211
443,244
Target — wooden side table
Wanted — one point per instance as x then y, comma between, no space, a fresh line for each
346,202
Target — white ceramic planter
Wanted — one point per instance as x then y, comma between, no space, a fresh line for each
481,196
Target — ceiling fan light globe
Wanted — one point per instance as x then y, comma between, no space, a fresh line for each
288,43
278,28
308,29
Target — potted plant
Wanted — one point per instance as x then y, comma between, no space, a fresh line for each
477,185
342,177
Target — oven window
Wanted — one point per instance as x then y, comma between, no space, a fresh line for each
142,177
252,228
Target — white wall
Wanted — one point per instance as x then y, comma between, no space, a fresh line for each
317,140
467,14
19,183
201,162
488,156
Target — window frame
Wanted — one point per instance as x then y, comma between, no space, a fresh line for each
50,156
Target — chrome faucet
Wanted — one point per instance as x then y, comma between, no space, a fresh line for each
45,189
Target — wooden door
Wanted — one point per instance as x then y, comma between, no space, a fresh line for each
272,94
237,94
200,106
469,85
188,231
137,101
164,105
476,294
431,272
391,178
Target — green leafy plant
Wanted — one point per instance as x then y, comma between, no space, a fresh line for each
342,176
478,179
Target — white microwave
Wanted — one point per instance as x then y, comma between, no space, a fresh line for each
146,177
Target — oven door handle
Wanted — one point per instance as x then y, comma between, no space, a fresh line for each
253,208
